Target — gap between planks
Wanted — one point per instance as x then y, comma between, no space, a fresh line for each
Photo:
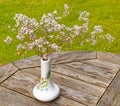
46,103
58,74
108,87
10,75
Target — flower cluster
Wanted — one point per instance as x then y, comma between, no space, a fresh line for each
49,23
66,10
84,16
28,26
8,39
49,34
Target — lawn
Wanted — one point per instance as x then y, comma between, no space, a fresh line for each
103,12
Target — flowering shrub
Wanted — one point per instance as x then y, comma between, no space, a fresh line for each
50,34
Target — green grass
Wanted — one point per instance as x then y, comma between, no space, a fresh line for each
103,12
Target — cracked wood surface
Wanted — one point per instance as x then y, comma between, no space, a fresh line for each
84,78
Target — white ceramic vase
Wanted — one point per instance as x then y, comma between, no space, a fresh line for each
46,90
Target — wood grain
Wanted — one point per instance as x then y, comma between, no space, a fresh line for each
62,101
78,85
113,58
75,73
23,83
56,58
11,98
78,96
85,79
88,94
6,71
65,57
28,62
111,67
112,94
90,69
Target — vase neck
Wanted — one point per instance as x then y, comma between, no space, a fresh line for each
45,68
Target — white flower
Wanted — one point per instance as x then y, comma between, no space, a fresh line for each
50,15
84,28
55,12
40,46
84,16
98,29
55,46
66,6
30,46
32,37
46,43
46,36
62,33
68,29
20,19
66,10
93,33
49,30
76,27
44,49
8,39
109,37
71,35
43,17
58,18
20,47
20,36
93,42
51,36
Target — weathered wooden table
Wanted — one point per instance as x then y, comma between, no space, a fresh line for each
85,79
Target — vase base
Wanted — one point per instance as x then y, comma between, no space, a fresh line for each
46,95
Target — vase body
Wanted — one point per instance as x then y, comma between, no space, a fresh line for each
46,90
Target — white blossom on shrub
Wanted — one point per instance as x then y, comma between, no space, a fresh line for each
20,47
49,34
8,39
84,15
98,29
109,37
66,10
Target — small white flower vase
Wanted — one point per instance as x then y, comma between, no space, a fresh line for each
46,90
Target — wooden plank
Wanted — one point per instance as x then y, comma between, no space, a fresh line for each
64,80
28,62
62,101
11,98
55,58
64,57
112,94
78,96
88,94
84,89
6,71
97,71
109,57
24,82
113,68
75,73
78,85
